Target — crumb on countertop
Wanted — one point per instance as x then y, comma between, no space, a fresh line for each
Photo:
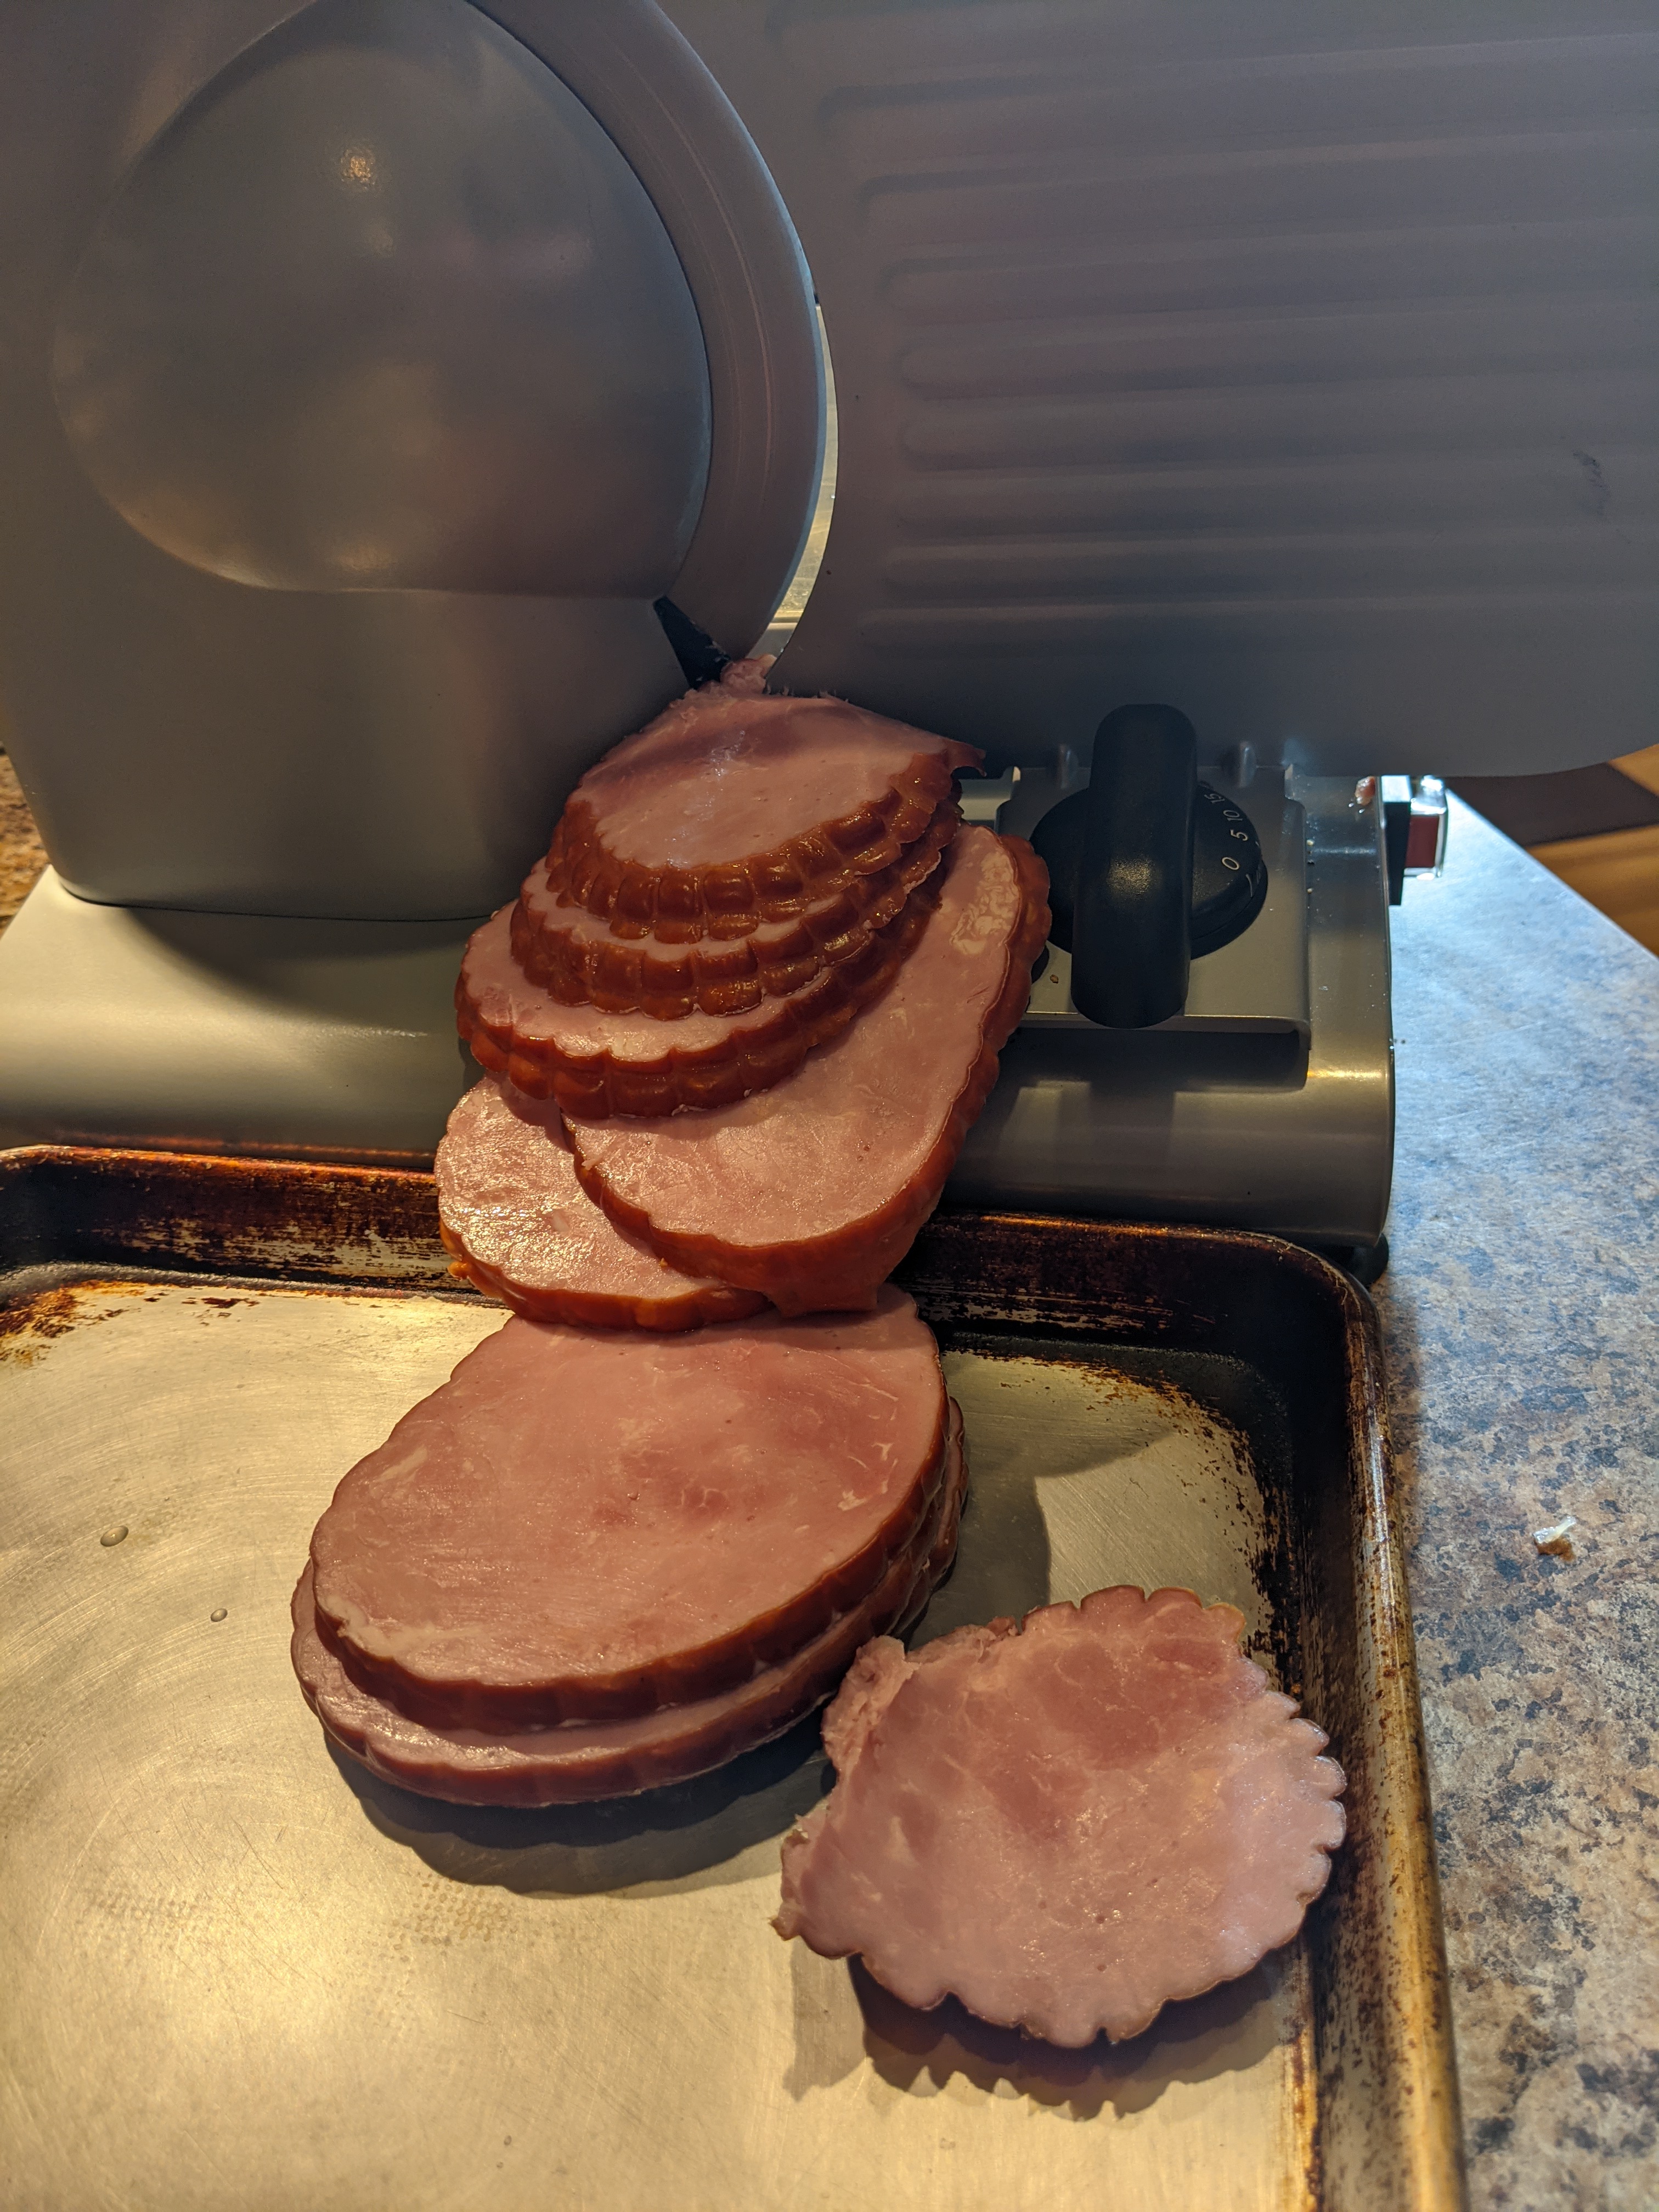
1557,1539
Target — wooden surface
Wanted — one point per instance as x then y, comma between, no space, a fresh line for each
1642,766
1619,873
22,855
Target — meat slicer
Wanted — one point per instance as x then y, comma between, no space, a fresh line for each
399,395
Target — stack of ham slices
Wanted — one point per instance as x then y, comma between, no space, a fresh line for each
592,1563
739,1021
737,1027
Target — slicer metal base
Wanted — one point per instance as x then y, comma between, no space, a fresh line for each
1247,1128
123,1026
336,1040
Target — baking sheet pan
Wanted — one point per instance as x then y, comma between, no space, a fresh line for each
240,1970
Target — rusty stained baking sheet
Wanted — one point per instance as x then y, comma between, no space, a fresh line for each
243,1971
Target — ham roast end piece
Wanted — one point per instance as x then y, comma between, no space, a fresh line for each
577,1764
1069,1825
833,1270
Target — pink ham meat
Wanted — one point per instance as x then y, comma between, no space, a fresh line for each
522,1229
582,1761
1065,1827
578,959
733,809
813,1191
580,1525
598,1064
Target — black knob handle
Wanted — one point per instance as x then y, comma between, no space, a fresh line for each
1131,943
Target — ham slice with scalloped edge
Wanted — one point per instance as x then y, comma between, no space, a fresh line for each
580,1525
732,808
582,1760
1065,1825
812,1191
579,959
600,1064
522,1229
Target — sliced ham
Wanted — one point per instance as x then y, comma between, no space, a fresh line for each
579,959
581,1526
812,1191
582,1761
599,1063
733,809
522,1229
1068,1826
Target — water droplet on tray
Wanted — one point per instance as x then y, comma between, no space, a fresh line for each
116,1535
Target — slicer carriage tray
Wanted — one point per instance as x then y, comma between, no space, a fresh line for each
241,1971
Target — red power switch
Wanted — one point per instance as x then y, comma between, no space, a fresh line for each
1413,827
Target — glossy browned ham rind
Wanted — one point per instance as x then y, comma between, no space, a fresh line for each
582,1760
522,1229
813,1192
597,1064
1067,1825
733,809
582,1525
579,959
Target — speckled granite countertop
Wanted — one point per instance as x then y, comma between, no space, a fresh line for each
1519,1309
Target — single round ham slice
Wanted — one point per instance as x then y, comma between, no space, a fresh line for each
522,1229
813,1191
584,1759
580,1525
1065,1825
733,809
578,959
597,1064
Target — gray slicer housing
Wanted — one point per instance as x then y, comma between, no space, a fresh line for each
373,365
